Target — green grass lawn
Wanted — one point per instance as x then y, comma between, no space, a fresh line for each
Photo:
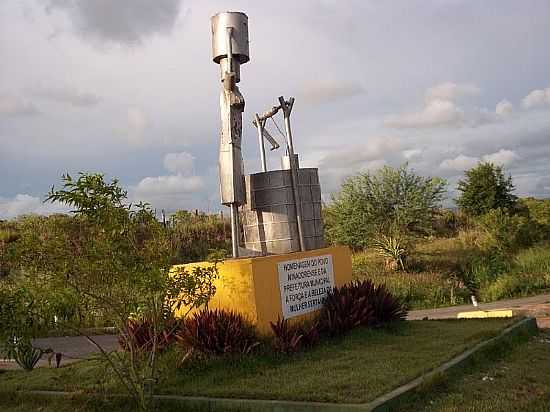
518,380
356,368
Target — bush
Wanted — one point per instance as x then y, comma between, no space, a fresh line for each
26,355
515,284
217,332
292,337
140,336
360,303
506,233
386,307
390,198
194,235
393,248
529,273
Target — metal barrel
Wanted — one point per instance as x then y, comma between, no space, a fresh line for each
239,42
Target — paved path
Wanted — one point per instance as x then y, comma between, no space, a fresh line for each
78,347
536,306
73,348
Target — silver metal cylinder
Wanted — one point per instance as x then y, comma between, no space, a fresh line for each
239,41
269,216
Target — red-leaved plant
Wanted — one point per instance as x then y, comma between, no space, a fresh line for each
360,303
290,338
139,335
217,332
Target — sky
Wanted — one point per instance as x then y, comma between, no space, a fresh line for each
128,88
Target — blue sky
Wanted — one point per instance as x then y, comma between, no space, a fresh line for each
128,88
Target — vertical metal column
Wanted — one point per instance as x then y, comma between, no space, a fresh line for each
287,109
260,125
234,230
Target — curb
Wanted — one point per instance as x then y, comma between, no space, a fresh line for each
386,402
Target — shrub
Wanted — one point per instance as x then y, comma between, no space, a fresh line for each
195,234
393,249
26,355
346,308
386,307
290,338
529,273
506,233
140,335
446,223
217,332
372,202
515,284
360,303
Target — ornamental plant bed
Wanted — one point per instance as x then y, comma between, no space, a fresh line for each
355,368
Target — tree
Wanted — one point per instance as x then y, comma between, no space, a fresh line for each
485,187
386,201
108,258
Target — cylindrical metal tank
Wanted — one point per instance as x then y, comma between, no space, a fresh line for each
239,41
269,216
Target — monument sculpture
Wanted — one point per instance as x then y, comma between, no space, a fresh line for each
281,269
230,50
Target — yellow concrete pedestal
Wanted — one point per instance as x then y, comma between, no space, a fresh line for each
253,286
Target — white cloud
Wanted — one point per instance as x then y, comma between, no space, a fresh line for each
536,98
16,106
374,148
436,113
451,91
459,163
330,90
440,109
502,157
172,184
168,192
412,154
504,108
23,204
67,95
179,163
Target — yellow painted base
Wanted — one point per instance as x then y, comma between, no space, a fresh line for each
250,286
481,314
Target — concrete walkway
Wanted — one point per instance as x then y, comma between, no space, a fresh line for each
78,347
535,306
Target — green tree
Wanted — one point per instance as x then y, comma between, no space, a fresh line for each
388,201
108,258
485,187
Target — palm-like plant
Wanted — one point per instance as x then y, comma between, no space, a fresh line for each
392,248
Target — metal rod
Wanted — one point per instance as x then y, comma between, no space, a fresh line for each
229,47
287,109
286,112
234,230
260,125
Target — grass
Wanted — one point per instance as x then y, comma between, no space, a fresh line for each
430,280
433,276
355,368
517,381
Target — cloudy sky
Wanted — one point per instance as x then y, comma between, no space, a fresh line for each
128,88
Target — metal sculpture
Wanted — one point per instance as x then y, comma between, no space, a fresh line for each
230,50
